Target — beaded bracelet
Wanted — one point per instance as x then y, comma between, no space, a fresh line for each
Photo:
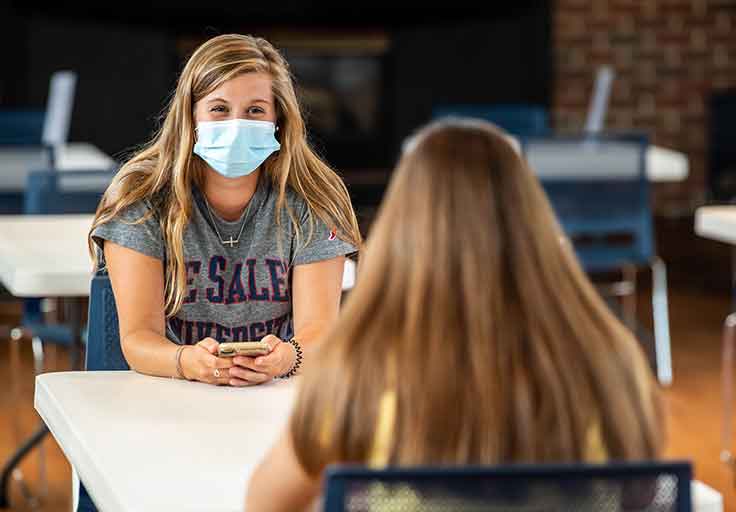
297,362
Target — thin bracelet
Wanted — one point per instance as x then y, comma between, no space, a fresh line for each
179,369
297,362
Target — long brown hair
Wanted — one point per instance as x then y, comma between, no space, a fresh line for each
165,169
473,308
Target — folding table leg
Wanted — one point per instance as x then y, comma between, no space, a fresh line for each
660,310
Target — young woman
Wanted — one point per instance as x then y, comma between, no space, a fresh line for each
472,336
226,226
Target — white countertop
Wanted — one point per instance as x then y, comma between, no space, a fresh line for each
16,162
147,443
716,223
45,255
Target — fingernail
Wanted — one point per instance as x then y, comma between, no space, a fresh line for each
259,360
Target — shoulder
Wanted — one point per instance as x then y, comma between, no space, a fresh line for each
142,211
139,213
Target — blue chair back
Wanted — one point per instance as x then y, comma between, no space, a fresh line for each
517,119
21,127
103,338
599,190
58,192
610,487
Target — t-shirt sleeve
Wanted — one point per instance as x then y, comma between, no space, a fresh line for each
324,243
128,230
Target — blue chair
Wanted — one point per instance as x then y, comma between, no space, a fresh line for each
610,487
103,338
600,192
521,120
21,127
51,192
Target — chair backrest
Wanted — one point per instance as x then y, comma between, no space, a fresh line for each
21,127
59,192
103,338
599,190
610,487
517,119
59,106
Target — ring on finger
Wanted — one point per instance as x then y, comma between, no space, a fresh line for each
217,373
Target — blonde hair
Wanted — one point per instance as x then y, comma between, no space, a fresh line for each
164,170
471,309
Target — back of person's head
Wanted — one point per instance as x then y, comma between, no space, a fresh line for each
471,305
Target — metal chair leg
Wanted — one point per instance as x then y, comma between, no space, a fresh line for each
729,329
660,311
16,335
38,364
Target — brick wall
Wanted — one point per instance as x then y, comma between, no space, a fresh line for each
668,55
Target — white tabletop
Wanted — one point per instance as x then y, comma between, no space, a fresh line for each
45,255
662,164
717,223
666,164
16,162
147,443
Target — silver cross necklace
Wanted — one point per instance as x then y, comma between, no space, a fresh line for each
232,242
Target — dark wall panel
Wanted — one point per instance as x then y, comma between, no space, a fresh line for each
124,77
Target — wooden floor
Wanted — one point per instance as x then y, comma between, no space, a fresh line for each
694,400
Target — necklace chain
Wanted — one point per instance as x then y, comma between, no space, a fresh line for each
231,242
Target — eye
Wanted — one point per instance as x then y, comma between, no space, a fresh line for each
218,108
256,110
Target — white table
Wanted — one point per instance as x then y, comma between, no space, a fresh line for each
666,164
147,443
16,162
716,223
705,498
45,255
662,164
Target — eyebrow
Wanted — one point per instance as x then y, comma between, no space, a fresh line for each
223,100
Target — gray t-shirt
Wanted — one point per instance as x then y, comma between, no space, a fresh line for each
239,293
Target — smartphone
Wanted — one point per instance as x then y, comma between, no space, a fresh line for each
244,348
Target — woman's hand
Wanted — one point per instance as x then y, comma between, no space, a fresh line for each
249,371
199,362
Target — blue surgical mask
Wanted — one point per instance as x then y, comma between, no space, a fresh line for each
235,147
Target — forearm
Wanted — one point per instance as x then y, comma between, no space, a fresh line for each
150,353
309,336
